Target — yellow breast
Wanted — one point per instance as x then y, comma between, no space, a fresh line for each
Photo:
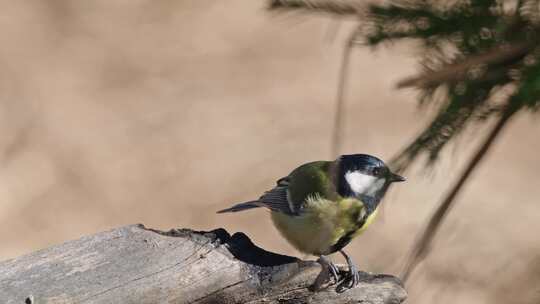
321,224
368,222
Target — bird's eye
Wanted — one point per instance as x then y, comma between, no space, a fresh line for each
376,171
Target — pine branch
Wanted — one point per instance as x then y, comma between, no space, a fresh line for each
422,245
342,8
459,71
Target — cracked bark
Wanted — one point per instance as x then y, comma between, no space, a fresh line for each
134,264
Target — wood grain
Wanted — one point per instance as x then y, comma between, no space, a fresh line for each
134,264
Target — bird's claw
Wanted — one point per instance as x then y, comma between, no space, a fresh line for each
330,267
331,271
353,277
334,272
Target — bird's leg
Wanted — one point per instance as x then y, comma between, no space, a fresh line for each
330,267
354,277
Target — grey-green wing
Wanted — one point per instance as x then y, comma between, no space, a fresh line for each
290,192
314,178
277,199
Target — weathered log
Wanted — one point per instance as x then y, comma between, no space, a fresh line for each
134,264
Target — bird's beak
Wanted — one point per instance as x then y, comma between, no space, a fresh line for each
397,178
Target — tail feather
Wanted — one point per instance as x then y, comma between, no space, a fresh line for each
242,207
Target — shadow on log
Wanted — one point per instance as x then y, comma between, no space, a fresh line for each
134,264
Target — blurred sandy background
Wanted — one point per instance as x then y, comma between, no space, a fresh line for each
162,112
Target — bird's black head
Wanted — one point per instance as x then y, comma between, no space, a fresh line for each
365,177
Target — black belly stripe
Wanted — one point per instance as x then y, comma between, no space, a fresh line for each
342,242
347,237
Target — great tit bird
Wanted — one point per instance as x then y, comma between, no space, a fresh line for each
321,206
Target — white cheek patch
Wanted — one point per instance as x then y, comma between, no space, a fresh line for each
362,183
